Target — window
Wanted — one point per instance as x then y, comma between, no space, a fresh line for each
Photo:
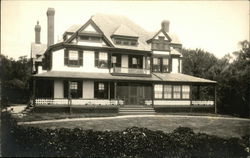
158,90
165,65
126,42
101,86
167,91
134,60
176,92
101,59
74,87
101,90
185,92
73,57
114,59
90,38
156,64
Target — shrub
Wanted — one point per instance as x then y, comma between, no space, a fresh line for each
131,142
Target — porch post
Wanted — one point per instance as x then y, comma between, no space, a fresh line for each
190,96
198,92
115,93
215,98
69,97
34,92
109,90
153,94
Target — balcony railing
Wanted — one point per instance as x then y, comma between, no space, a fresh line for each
125,70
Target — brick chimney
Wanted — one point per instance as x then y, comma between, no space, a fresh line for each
50,17
165,25
37,33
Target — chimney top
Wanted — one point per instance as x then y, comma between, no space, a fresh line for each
38,27
165,25
50,11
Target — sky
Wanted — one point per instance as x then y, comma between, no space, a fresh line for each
214,26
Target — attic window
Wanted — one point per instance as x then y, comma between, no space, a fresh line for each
89,38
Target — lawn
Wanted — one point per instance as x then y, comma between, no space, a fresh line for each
220,126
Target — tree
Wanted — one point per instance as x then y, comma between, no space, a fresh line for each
15,78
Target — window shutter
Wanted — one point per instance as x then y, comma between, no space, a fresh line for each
65,89
118,60
80,55
129,61
109,60
66,57
79,89
96,58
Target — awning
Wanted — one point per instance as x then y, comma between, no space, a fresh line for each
156,77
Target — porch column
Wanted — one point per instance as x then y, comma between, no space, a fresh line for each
190,96
115,84
109,90
215,98
198,92
153,94
34,92
69,98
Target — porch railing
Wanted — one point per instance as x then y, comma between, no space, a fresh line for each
42,101
201,102
125,70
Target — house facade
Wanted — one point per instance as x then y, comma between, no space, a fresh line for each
111,61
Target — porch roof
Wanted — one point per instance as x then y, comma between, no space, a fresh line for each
157,77
177,77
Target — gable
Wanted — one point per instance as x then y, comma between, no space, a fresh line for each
162,34
90,28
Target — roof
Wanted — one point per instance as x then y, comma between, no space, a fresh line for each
160,77
37,49
124,31
92,75
177,77
73,28
109,24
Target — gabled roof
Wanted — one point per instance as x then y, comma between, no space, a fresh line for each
37,49
109,23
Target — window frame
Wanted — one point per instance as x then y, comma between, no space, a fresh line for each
73,63
98,61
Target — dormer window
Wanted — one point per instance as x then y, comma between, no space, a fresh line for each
125,42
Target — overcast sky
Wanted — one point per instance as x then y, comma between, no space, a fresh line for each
215,26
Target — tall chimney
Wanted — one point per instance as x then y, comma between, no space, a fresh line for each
165,25
37,33
50,17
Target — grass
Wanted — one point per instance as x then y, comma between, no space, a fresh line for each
224,127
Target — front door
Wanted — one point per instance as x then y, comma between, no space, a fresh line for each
135,94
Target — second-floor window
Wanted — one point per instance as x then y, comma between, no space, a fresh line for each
73,57
156,65
135,62
101,59
160,64
116,60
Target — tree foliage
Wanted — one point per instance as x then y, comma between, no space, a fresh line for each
15,78
233,78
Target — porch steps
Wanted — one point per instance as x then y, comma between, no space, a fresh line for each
136,110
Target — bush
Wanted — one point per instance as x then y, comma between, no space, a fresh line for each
131,142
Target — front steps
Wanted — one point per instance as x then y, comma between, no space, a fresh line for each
136,110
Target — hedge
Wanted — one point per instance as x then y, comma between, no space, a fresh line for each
132,142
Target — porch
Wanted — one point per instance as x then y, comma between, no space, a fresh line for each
109,91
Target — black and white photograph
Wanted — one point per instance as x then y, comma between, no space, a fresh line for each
125,79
